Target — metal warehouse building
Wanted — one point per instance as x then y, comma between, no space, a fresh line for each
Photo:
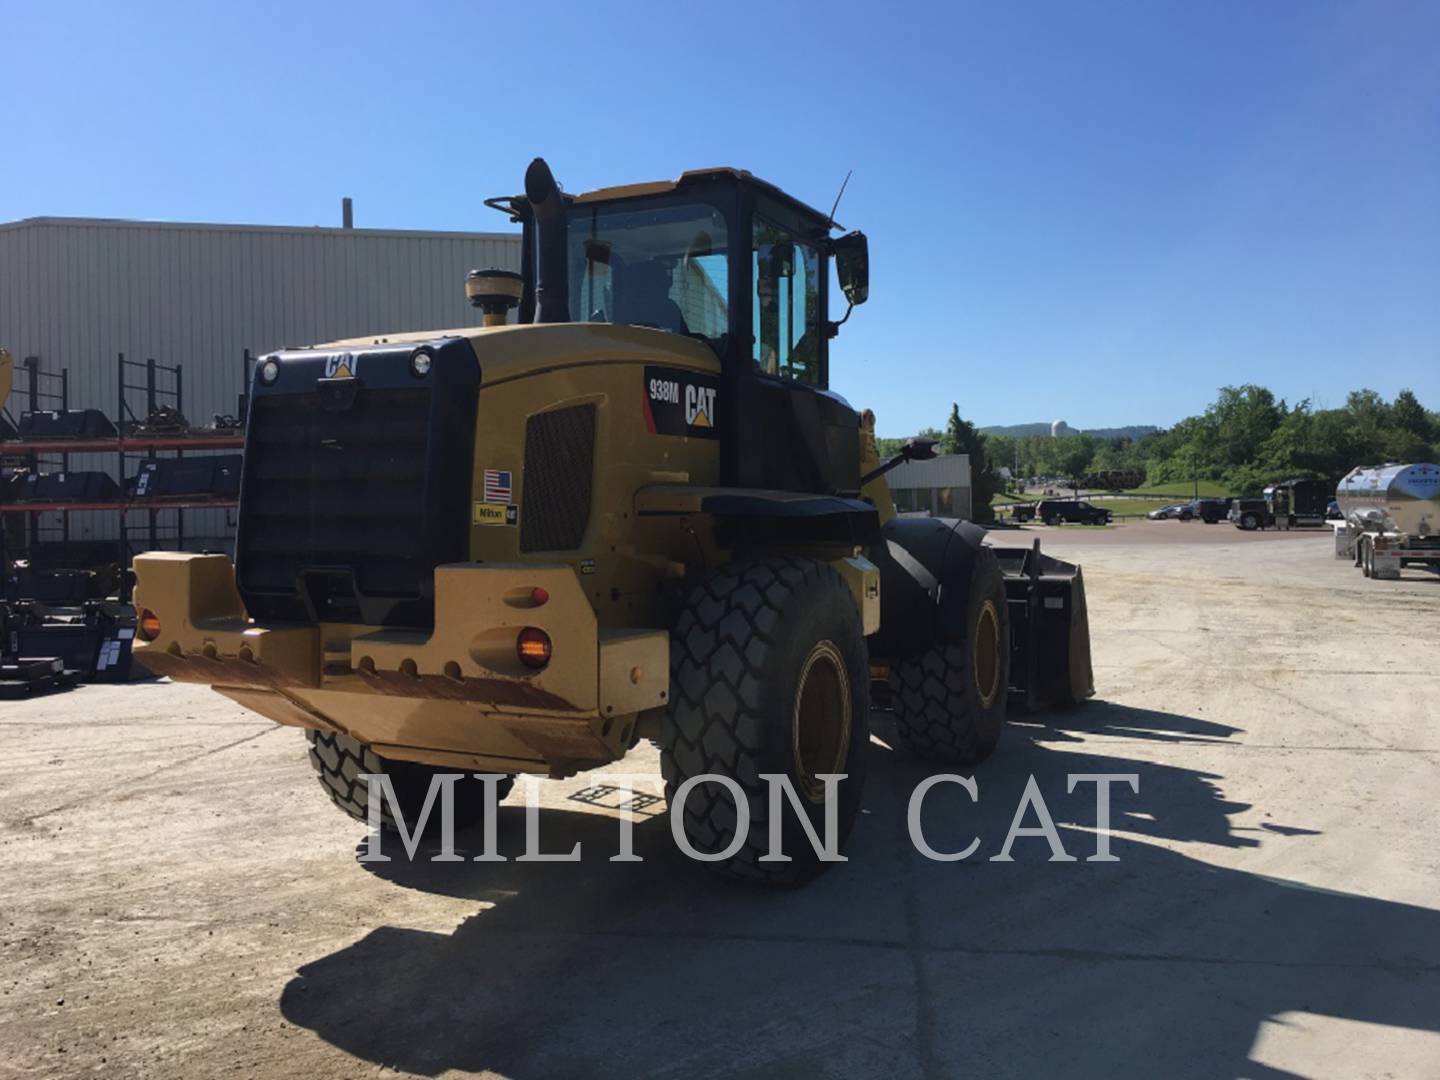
940,486
76,293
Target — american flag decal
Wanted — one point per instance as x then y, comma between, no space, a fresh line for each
497,485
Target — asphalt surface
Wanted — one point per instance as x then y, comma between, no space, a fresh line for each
178,898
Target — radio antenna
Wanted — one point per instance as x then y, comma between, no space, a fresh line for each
837,198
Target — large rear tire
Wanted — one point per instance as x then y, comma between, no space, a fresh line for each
339,760
950,701
769,674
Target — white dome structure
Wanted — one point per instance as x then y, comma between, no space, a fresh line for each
1059,428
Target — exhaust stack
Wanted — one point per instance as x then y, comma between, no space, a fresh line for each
552,289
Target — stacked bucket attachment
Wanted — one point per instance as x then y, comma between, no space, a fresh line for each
1049,629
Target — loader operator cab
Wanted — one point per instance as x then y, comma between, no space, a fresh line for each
724,258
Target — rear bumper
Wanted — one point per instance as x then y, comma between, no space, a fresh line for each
455,695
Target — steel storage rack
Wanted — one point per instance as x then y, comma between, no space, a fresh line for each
149,424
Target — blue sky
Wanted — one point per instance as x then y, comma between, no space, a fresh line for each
1096,211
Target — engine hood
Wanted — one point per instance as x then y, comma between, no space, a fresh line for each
512,352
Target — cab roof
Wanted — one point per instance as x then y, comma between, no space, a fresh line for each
691,178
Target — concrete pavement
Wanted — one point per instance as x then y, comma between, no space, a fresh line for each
179,899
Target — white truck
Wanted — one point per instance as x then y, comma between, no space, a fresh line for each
1392,518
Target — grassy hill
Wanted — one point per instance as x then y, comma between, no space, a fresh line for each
1182,490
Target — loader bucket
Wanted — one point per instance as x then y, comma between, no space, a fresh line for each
1049,629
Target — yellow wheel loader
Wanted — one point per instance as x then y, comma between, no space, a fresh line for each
633,508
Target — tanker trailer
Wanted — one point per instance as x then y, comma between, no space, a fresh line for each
1392,518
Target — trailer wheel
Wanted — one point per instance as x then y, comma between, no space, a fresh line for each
1367,557
950,700
338,761
769,674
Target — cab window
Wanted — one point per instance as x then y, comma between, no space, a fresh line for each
786,304
657,263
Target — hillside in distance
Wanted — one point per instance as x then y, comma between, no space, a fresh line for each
1023,431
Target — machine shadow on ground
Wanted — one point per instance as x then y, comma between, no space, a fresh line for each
890,964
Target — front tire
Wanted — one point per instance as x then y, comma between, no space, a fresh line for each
339,760
950,701
769,673
1248,522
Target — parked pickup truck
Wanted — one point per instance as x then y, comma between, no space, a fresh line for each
1070,511
1211,510
1250,514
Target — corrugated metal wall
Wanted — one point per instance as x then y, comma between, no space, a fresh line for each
940,486
943,470
76,293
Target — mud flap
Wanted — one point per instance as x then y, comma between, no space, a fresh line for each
925,569
1049,629
926,565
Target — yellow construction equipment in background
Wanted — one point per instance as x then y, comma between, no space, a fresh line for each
7,374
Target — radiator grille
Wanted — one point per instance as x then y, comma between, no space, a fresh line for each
559,470
337,489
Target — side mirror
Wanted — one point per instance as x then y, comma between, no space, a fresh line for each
852,266
918,448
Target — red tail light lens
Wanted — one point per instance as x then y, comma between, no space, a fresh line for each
148,625
533,647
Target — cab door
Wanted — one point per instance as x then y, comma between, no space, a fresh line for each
793,434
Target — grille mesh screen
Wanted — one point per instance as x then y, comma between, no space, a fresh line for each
559,468
337,489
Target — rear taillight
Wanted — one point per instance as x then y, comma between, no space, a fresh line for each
533,647
148,625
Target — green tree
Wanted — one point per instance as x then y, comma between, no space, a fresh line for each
1410,415
887,448
1246,438
961,437
1411,432
1236,425
1290,449
1003,452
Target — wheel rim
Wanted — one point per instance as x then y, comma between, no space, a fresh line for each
820,731
986,654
